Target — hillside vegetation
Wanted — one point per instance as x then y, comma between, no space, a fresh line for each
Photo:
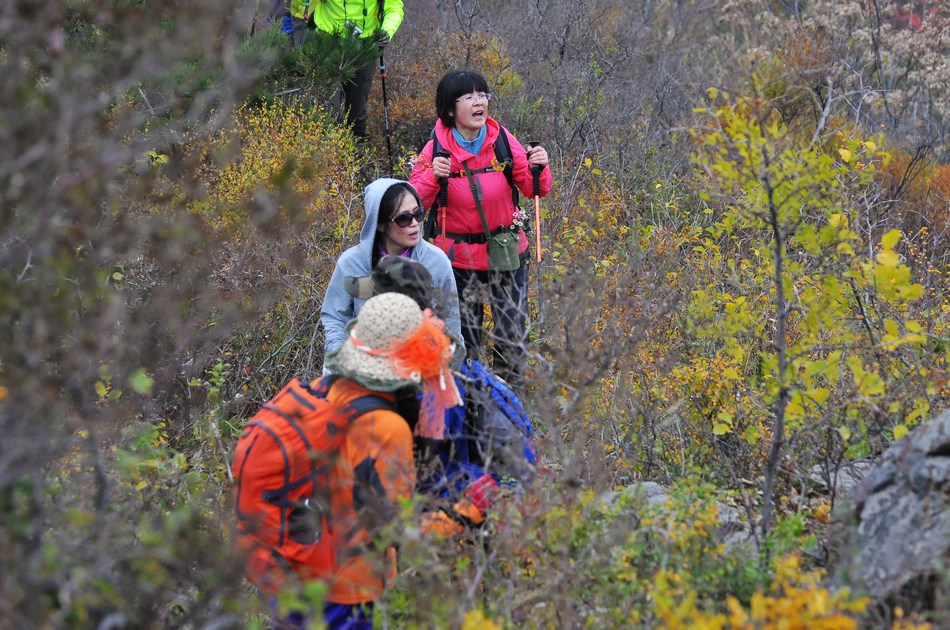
744,289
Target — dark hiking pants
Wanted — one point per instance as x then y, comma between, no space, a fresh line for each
355,97
507,294
352,97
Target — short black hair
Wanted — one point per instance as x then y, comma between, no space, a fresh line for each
453,85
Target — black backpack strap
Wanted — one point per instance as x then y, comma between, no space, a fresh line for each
438,151
365,404
323,386
503,155
430,225
356,407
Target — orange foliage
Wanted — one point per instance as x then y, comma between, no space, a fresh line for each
922,187
807,51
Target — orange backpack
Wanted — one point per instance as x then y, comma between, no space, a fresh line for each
289,480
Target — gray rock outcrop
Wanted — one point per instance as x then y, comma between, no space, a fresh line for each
733,530
902,513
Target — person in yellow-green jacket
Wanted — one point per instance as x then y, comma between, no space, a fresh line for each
378,19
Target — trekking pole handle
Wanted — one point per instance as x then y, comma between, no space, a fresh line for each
443,185
535,171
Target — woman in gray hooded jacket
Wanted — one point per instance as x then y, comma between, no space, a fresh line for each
393,226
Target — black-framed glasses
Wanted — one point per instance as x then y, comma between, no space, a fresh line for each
405,219
469,99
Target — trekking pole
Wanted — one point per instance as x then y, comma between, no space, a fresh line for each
536,182
443,197
382,78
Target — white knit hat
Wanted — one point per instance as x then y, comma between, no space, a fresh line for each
394,344
382,319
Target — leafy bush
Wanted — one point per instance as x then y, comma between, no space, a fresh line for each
308,73
171,226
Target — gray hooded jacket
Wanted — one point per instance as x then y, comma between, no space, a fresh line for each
339,306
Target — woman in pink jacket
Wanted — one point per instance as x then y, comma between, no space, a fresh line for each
466,137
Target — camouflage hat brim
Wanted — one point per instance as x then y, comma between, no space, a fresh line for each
394,274
360,287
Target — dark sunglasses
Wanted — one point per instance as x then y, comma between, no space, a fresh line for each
404,220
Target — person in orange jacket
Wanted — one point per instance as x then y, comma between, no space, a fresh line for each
394,349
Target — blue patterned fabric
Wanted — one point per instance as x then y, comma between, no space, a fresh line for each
491,434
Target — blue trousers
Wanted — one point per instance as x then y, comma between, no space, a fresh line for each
335,616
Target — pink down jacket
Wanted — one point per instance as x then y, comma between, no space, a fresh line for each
462,215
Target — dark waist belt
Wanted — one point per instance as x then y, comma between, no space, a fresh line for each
474,239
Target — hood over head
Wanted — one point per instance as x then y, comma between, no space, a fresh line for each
372,197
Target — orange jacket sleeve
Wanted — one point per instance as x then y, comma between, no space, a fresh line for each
379,449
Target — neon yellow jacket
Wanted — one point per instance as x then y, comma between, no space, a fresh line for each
331,16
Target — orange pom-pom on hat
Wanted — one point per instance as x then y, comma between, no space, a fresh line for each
393,344
424,357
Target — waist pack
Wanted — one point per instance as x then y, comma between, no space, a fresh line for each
502,247
503,244
503,251
289,480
